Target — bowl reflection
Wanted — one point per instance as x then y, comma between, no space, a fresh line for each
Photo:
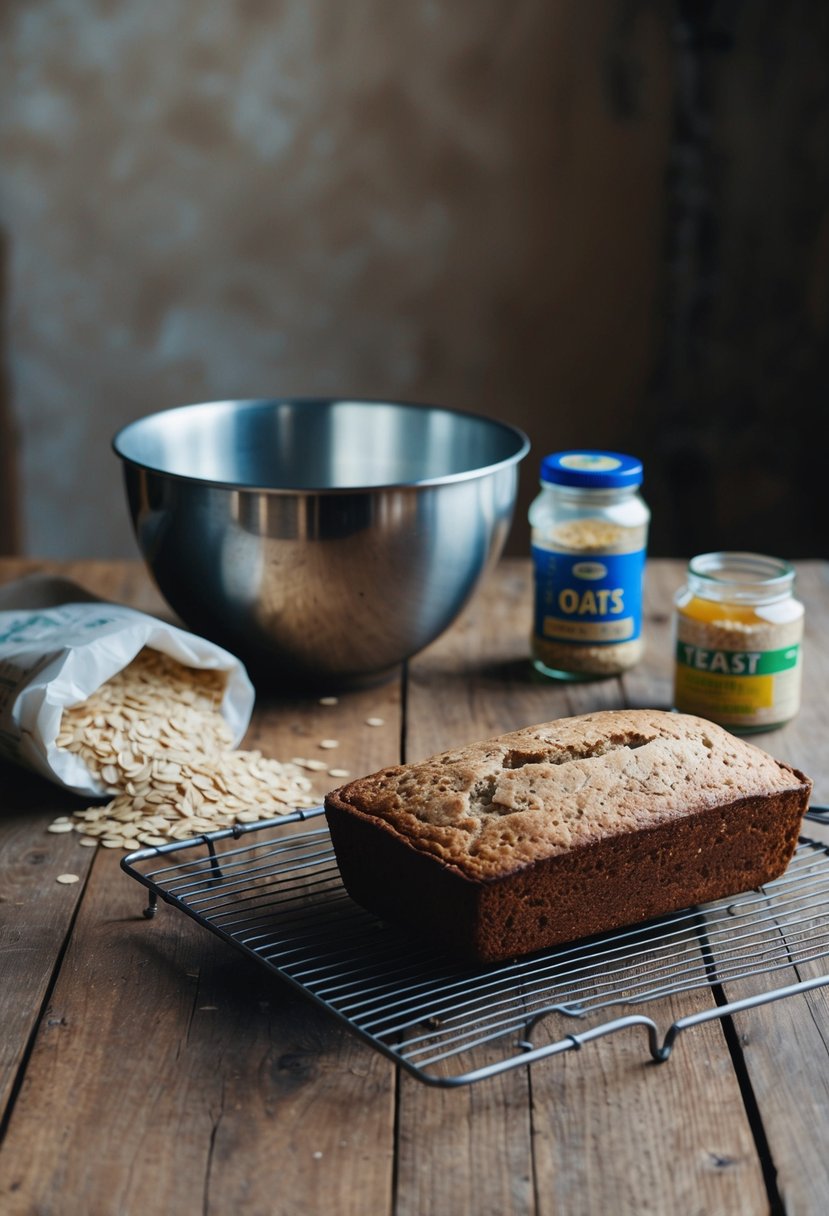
321,540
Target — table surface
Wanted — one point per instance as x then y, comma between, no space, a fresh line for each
146,1067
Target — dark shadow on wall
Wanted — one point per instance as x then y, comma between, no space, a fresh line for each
9,538
733,431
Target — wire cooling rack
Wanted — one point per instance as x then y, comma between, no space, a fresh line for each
273,891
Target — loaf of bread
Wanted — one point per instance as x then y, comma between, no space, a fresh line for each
567,829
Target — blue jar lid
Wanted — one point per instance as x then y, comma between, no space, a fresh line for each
592,469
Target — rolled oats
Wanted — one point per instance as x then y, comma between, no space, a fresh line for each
154,736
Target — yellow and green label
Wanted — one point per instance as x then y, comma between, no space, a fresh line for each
736,662
737,686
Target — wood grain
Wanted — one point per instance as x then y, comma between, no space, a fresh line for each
36,911
786,1045
145,1066
589,1154
170,1076
617,1133
270,1100
124,582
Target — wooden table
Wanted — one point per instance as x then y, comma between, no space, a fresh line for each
145,1067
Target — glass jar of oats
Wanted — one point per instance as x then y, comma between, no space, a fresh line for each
738,634
589,535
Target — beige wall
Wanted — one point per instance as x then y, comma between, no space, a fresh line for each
441,201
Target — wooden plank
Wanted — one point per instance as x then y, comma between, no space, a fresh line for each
649,685
785,1045
589,1154
465,1150
786,1052
615,1133
170,1075
469,1150
36,911
126,582
803,742
775,1040
157,1036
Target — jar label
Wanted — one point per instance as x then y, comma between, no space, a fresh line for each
736,662
737,687
588,599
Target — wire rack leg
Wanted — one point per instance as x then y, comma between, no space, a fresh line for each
749,1002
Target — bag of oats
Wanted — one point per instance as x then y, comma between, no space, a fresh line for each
59,646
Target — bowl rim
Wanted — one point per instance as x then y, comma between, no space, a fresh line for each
519,436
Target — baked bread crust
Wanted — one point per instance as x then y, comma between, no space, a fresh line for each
566,829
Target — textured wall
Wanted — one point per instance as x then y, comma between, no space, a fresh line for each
449,201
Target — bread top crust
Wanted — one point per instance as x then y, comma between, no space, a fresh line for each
497,806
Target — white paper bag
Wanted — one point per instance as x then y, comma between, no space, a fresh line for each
58,645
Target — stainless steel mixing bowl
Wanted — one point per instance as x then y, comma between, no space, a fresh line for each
322,541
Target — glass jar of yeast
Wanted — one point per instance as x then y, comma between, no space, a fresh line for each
738,635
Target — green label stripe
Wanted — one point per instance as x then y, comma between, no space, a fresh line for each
737,662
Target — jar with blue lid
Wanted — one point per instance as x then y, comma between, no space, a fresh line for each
589,539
